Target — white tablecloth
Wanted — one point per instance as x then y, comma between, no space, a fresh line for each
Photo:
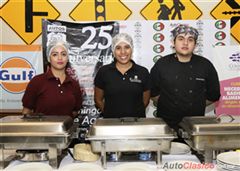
110,165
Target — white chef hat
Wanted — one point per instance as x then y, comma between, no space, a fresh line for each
122,37
54,44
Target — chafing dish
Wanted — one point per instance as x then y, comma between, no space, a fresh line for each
130,134
51,133
205,134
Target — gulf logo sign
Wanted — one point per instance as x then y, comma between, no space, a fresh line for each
15,74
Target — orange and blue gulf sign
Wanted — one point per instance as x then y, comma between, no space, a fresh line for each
16,70
15,74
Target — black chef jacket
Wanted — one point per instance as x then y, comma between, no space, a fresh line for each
183,87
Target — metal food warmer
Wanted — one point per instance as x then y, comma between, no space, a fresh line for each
207,134
35,132
130,134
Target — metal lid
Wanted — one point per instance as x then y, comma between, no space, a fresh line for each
210,125
35,125
130,128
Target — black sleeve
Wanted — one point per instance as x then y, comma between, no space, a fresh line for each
213,85
155,80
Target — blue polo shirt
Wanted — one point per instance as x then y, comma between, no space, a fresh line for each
123,93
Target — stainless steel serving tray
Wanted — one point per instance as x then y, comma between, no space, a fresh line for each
208,133
36,132
211,125
35,125
130,134
130,128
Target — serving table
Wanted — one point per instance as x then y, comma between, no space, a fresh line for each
165,158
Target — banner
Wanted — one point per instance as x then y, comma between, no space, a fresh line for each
90,48
19,64
227,63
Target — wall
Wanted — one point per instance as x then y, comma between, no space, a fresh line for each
12,12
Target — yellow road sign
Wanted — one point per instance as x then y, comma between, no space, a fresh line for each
25,17
229,9
103,10
171,10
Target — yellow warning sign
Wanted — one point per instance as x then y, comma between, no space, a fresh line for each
229,9
103,10
171,10
25,17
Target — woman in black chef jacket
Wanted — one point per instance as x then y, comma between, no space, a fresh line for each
122,88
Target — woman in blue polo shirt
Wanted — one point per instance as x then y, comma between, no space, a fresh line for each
122,88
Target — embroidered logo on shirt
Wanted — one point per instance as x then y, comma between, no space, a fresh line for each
200,79
135,79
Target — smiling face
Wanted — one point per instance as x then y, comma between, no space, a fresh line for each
123,53
184,44
58,58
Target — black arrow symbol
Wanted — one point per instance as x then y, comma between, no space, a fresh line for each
234,5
